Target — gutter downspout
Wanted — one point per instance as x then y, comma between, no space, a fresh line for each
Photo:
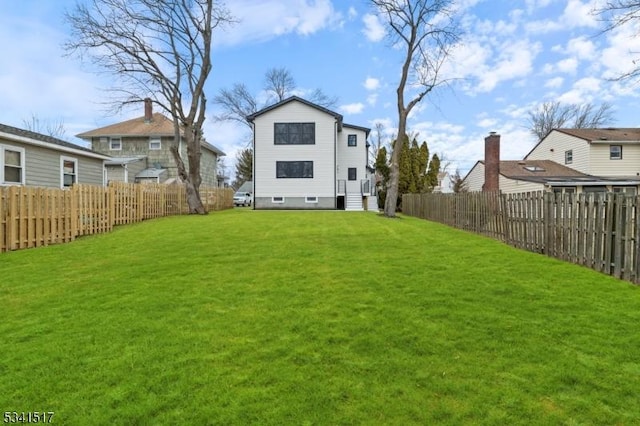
335,165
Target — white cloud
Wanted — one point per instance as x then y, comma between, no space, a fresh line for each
568,66
373,29
353,13
582,91
554,83
355,108
372,99
261,20
515,61
371,83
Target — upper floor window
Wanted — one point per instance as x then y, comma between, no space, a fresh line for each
12,162
68,172
294,169
352,140
294,133
155,143
568,157
615,152
115,144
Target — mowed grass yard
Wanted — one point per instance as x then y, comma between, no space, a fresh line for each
271,318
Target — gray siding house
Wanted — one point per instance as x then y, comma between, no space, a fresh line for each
305,157
140,150
32,159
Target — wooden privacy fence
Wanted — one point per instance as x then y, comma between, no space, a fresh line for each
597,230
33,217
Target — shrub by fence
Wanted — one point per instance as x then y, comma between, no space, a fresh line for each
33,217
597,230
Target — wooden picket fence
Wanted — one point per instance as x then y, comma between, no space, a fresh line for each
597,230
34,217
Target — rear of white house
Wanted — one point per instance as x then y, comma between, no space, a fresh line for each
305,157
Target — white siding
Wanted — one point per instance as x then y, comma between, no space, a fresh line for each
514,186
601,165
322,153
475,178
352,156
554,146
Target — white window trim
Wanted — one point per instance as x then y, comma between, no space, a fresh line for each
154,139
277,200
75,168
311,199
22,162
111,148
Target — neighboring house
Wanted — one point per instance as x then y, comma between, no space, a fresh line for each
305,157
540,174
140,150
606,152
32,159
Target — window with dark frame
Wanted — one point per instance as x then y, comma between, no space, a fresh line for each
294,133
568,156
352,140
352,173
294,169
615,152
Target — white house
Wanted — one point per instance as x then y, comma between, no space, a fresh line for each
305,157
583,153
606,152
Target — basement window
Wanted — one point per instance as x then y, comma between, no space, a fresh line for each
310,199
277,200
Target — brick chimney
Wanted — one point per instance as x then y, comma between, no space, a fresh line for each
491,162
148,110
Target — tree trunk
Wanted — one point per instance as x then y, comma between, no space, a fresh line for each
391,202
190,179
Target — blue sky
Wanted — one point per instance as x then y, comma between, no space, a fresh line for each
515,55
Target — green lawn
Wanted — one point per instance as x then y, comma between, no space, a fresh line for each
245,317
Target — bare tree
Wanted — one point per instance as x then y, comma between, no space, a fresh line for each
618,13
237,103
159,49
54,129
426,32
279,83
554,115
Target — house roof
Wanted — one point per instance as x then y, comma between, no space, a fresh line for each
337,116
159,125
38,139
353,126
118,161
551,173
605,134
151,173
537,170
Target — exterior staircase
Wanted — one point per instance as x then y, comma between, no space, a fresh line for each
354,202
